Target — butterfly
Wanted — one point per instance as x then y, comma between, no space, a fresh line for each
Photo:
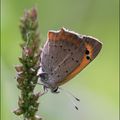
64,55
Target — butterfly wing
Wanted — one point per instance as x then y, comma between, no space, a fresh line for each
93,46
64,55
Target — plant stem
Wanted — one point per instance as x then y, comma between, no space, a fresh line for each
27,71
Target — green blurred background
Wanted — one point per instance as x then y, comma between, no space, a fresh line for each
97,85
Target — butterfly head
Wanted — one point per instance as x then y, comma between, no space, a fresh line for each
47,84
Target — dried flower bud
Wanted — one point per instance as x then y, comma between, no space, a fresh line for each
19,86
19,68
33,14
20,102
20,80
36,117
18,111
28,51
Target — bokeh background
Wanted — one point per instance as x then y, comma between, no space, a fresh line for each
97,85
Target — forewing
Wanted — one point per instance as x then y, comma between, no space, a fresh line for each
64,55
93,46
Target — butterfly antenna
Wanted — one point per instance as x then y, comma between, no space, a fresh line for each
69,94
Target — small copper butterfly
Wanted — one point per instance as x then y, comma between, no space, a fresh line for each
64,55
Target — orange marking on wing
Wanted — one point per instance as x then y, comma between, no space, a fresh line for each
90,49
63,34
83,64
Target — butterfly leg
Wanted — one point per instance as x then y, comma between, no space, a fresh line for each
45,90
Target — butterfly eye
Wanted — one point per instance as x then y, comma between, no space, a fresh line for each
87,52
44,76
